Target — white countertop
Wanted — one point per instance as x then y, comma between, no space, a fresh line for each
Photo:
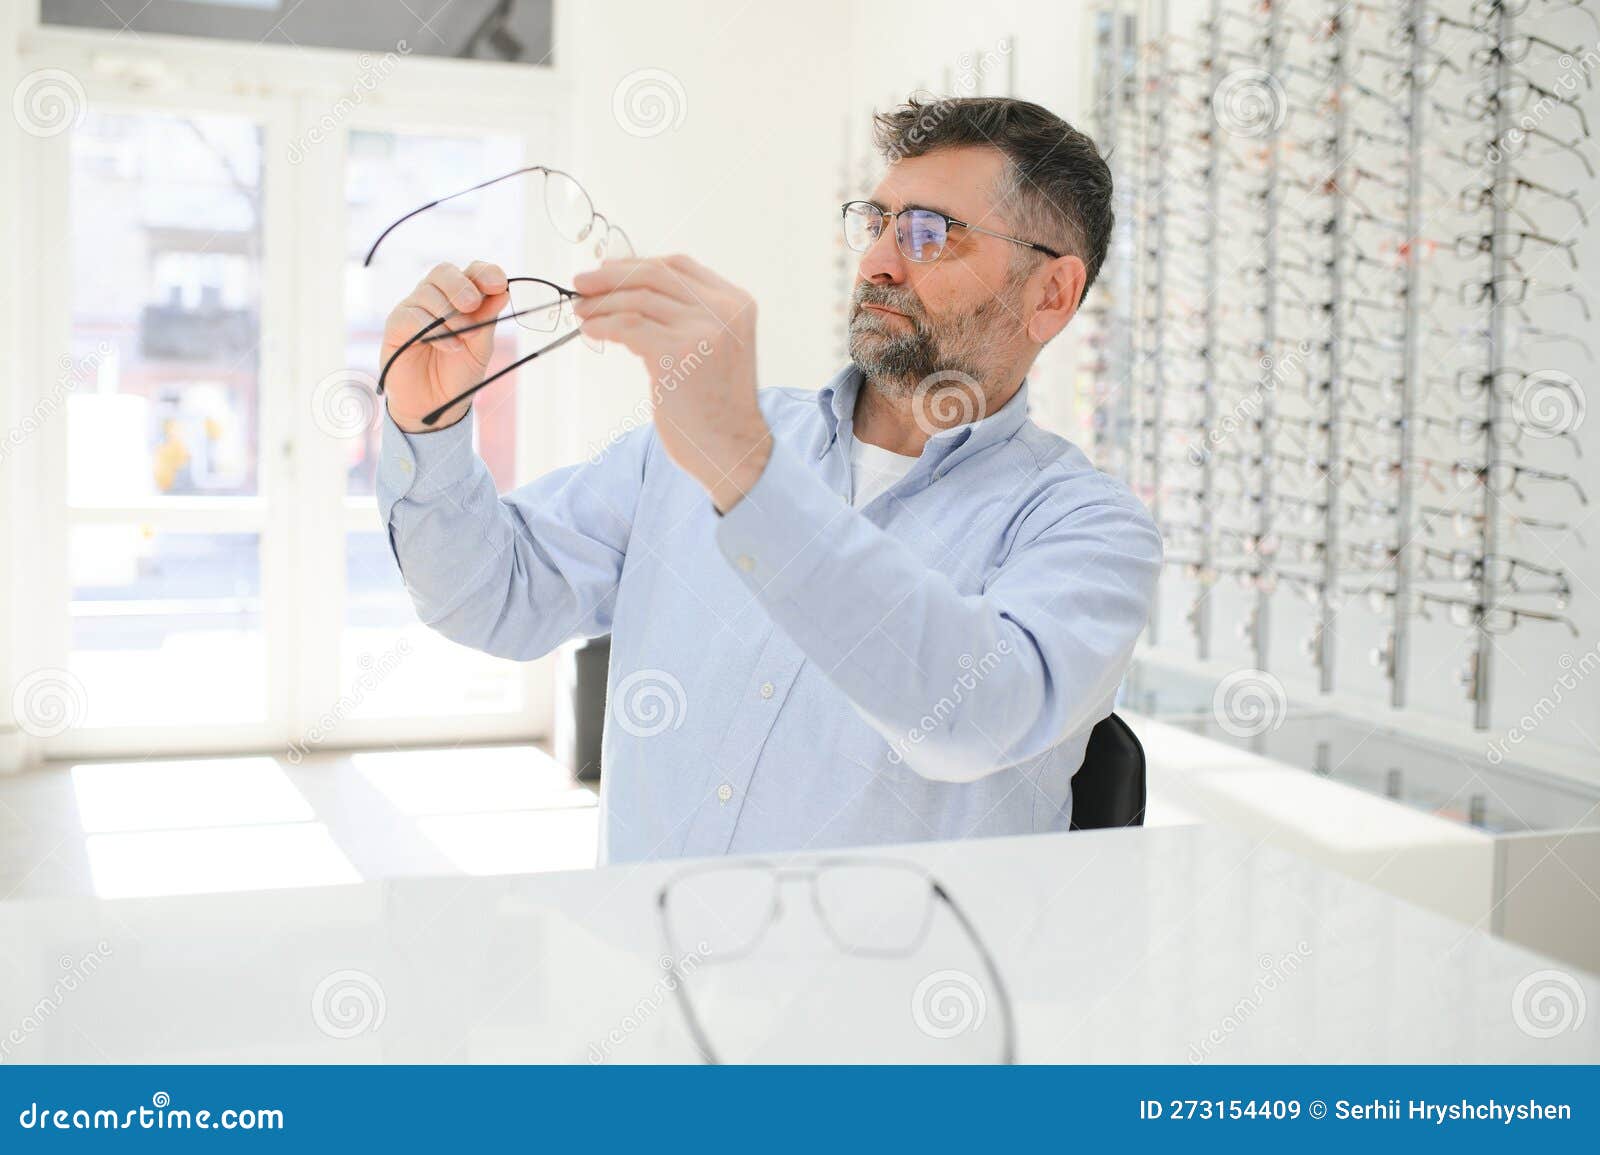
1158,945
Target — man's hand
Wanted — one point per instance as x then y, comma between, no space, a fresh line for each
696,334
431,372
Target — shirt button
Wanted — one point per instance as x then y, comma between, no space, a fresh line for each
745,562
724,792
766,689
405,466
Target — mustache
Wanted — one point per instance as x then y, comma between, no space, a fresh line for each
890,297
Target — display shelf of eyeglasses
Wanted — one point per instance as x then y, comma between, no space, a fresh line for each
1497,797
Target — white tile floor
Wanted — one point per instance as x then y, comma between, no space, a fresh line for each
117,829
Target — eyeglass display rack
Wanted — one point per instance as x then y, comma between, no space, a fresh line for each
1282,199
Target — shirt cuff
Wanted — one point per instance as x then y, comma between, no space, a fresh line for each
778,534
423,465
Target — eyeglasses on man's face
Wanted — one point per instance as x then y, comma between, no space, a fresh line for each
922,234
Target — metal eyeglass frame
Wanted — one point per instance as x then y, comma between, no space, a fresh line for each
809,872
429,333
594,215
885,215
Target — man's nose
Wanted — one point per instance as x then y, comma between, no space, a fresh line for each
883,263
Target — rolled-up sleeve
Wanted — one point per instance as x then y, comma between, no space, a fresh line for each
960,685
513,575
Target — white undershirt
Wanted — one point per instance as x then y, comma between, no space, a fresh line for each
874,469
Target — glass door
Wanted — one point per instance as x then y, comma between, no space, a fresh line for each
390,678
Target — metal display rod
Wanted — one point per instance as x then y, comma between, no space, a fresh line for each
1326,610
1269,343
1488,590
1405,514
1207,558
1155,219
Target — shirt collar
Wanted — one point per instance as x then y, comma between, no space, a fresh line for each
837,400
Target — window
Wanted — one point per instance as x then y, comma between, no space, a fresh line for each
210,570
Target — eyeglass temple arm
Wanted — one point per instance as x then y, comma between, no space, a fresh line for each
420,335
697,1034
433,417
373,251
1008,1055
1049,252
428,332
566,295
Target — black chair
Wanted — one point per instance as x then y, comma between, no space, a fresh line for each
1109,788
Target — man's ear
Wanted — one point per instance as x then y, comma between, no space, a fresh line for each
1060,291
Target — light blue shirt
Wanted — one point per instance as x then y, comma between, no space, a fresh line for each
799,674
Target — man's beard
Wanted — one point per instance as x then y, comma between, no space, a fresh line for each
897,359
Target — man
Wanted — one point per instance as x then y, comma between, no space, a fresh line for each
889,611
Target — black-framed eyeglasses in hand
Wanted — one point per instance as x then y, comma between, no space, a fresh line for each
870,908
570,210
536,304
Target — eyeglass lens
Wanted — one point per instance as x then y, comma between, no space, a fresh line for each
879,909
920,233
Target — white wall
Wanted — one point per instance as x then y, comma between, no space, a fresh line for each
741,178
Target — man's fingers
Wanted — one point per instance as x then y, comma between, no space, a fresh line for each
633,331
668,275
453,285
612,275
489,277
426,303
644,301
